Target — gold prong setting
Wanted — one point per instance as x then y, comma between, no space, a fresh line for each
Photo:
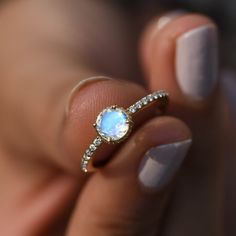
113,124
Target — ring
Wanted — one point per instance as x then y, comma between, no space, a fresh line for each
114,124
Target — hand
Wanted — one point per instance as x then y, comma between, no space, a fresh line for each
47,49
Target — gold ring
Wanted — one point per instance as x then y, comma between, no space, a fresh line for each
114,124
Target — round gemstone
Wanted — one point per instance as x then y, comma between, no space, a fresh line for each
113,124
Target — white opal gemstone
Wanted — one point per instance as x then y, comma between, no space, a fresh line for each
113,124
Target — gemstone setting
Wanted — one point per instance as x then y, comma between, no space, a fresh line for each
118,128
113,124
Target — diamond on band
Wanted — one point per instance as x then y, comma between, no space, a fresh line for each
114,124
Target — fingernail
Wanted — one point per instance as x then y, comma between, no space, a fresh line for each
79,86
167,18
161,163
197,61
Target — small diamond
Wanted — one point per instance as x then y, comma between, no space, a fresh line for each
139,104
150,98
89,152
92,147
85,163
97,142
132,109
156,96
86,157
145,101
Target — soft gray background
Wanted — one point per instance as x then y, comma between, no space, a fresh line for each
222,11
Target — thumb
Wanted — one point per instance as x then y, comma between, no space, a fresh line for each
128,195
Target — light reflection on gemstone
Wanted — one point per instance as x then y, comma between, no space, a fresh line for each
113,124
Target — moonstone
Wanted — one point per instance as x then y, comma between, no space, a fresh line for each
112,124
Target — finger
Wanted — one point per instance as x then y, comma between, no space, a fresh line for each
37,74
202,115
181,57
149,36
166,50
127,196
58,140
183,60
64,136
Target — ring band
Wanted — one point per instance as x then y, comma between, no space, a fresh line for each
114,124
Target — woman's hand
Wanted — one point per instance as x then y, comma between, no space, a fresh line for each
48,49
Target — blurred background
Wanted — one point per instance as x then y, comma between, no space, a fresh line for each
222,11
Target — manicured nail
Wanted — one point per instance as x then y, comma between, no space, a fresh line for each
197,61
167,18
161,163
79,86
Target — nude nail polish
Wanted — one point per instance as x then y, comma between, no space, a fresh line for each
161,163
197,62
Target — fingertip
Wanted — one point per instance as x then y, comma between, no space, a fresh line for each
135,179
187,70
150,32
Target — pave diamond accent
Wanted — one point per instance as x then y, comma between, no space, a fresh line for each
132,109
150,97
146,101
139,104
97,142
86,157
90,152
92,147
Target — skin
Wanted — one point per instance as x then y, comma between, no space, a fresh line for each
45,52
